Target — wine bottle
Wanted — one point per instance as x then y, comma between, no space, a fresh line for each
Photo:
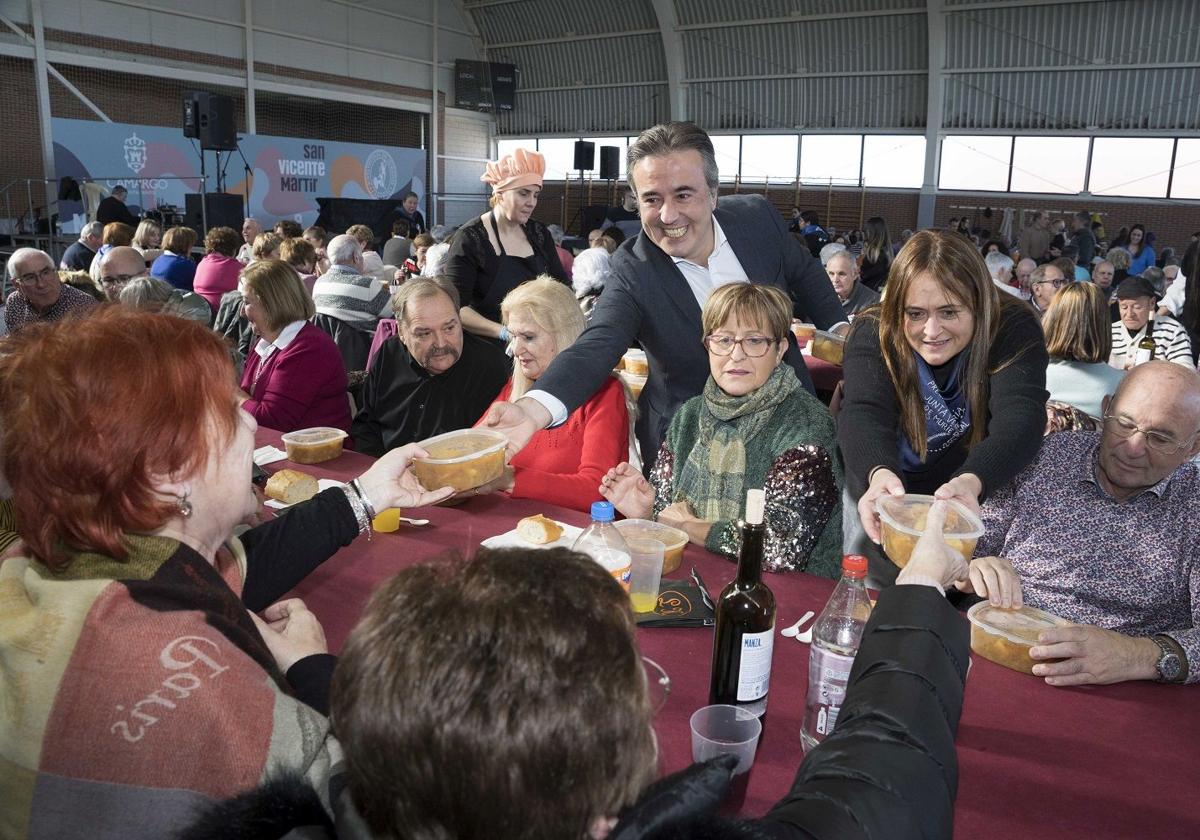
1145,347
745,618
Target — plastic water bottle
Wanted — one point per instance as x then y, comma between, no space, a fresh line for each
835,640
603,543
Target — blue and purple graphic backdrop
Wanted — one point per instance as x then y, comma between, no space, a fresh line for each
160,166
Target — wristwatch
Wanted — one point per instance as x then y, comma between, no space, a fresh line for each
1169,666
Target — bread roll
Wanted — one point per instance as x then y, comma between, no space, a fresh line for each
539,530
291,486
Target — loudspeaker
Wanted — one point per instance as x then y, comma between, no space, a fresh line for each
585,156
610,162
209,118
504,85
224,210
191,115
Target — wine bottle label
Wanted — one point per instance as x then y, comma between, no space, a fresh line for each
754,672
1143,355
829,672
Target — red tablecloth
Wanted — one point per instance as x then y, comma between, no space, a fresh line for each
1035,761
825,376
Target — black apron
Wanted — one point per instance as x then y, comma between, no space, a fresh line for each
510,273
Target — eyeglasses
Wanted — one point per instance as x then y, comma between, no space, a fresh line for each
753,346
29,278
117,279
658,684
1058,284
1125,428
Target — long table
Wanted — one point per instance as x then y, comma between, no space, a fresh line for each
1035,761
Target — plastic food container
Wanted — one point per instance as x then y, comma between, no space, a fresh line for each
1005,636
636,383
803,332
463,459
673,539
635,362
903,521
312,446
828,347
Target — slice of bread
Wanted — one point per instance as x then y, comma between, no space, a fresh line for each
539,530
291,486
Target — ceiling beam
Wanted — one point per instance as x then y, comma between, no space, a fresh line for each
672,43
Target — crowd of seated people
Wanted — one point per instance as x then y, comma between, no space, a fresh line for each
147,544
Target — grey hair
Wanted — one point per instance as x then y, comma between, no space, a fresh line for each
342,249
149,293
441,233
22,254
666,138
829,250
842,254
556,233
419,288
91,229
435,259
591,271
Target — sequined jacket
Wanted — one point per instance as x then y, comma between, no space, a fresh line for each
795,460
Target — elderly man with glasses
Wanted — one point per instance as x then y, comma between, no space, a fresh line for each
1101,530
118,267
39,295
1044,282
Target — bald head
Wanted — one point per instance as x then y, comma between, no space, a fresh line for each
1163,383
1151,428
120,265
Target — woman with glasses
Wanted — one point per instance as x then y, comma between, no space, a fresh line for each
944,385
754,426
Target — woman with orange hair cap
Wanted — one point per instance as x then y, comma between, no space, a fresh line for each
504,247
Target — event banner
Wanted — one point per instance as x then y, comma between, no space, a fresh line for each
159,166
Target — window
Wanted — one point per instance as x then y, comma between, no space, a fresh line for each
894,160
1131,166
770,156
506,147
728,152
975,162
1049,164
1186,182
560,158
830,158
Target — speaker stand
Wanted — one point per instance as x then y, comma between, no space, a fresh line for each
249,178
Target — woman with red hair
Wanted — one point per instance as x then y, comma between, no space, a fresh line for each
137,676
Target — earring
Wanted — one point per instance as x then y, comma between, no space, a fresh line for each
185,507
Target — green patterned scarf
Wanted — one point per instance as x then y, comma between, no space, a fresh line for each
713,476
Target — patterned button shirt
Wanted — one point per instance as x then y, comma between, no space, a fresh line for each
71,301
1131,566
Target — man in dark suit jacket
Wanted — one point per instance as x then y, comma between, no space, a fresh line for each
113,209
688,246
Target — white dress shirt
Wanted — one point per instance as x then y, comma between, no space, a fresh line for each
286,336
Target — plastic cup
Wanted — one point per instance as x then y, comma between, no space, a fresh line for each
646,558
725,730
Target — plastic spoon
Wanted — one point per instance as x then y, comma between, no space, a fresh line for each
794,630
